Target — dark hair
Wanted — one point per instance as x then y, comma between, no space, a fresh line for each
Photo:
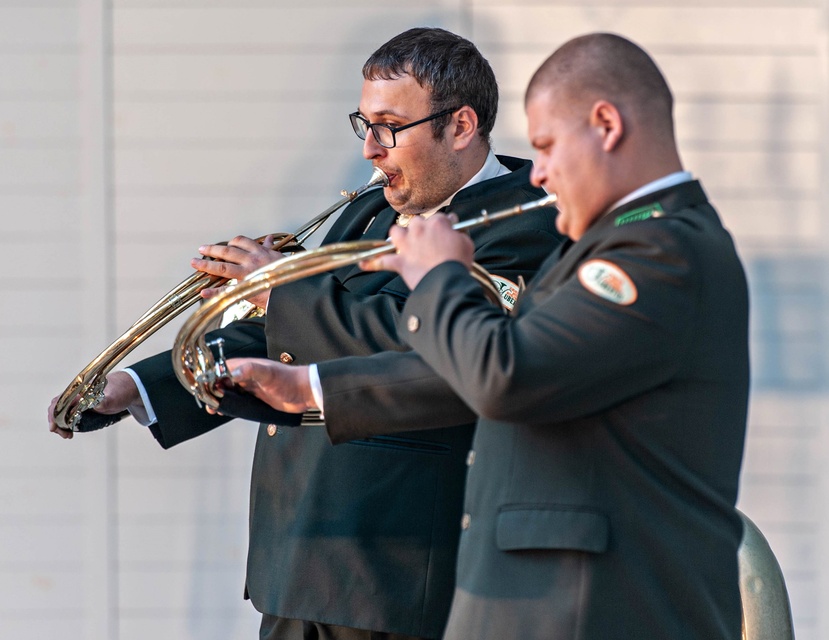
450,66
607,66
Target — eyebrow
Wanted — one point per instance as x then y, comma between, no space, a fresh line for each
384,112
540,140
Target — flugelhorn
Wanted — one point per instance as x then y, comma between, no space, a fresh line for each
87,388
194,363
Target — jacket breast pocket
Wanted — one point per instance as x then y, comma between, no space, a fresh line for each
552,528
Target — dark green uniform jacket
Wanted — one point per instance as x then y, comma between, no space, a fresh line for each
600,497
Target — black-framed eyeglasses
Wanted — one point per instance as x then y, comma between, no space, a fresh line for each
385,134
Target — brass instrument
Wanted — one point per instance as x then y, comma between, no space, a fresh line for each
87,388
193,361
767,614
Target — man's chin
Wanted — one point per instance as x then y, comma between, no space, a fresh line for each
561,224
397,201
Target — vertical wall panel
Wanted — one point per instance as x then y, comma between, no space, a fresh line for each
55,572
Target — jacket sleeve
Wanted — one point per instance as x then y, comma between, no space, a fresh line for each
572,352
397,391
385,393
179,417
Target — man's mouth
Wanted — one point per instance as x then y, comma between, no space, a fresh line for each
391,176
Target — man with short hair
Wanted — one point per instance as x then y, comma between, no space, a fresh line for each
600,498
360,542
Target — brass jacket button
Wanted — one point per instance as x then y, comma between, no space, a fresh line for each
413,324
466,521
286,358
271,429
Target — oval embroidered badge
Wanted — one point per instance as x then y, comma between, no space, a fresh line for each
607,281
507,289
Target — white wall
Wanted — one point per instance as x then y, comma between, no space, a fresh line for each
132,131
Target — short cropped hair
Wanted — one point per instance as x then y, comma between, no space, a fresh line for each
450,66
610,67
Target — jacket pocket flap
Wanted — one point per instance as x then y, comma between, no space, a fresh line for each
552,529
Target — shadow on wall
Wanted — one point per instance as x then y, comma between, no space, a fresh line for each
789,317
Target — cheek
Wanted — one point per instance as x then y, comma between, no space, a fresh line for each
405,161
573,174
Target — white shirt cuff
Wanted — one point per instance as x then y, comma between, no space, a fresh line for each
316,386
144,415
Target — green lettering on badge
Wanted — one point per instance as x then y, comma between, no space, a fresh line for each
642,213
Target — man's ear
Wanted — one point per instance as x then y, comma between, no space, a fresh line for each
464,127
606,119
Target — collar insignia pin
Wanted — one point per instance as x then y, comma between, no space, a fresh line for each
403,219
642,213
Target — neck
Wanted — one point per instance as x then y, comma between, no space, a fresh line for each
472,160
648,163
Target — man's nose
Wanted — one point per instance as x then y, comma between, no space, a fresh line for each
371,149
537,176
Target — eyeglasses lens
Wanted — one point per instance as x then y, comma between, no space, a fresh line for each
382,134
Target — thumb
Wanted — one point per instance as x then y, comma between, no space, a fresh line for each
387,262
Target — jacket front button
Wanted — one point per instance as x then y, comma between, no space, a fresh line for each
413,324
271,429
286,358
466,521
470,458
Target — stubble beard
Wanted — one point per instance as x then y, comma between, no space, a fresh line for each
434,187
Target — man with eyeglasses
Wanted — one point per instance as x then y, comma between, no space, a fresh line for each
360,541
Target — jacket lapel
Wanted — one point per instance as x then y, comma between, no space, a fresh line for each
378,229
